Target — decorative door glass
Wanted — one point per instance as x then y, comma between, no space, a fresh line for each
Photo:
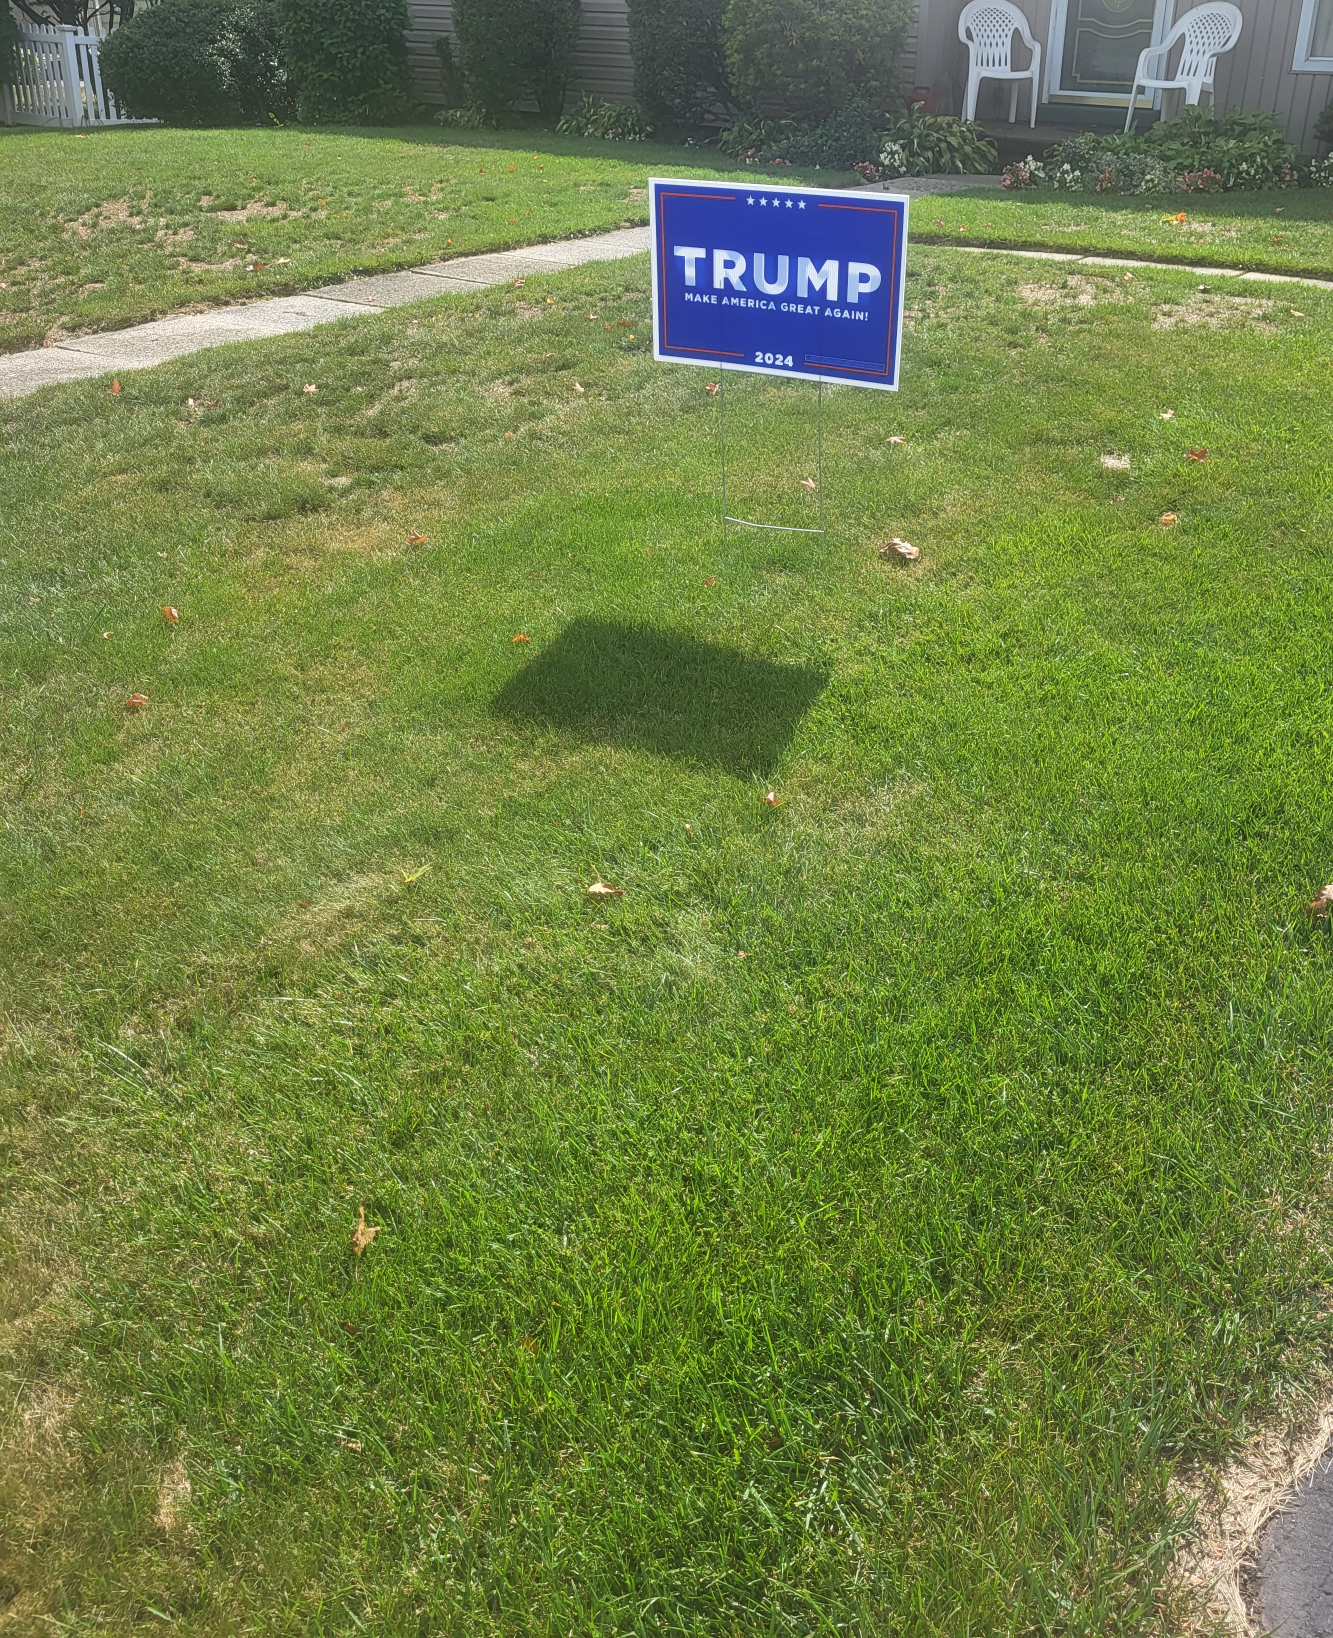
1103,39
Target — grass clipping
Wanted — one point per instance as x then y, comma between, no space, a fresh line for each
1235,1505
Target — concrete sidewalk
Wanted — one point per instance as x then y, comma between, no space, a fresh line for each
140,347
143,345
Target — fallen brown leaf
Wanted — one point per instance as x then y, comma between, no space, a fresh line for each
1296,313
895,440
136,702
363,1233
310,387
520,637
579,388
417,540
519,283
604,890
714,387
351,1444
115,386
807,483
170,615
710,580
772,799
899,548
1167,415
1169,520
1322,903
1196,454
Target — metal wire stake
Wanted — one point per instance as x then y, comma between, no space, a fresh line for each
749,523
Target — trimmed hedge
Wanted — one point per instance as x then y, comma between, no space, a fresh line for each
680,61
198,62
513,49
805,60
348,61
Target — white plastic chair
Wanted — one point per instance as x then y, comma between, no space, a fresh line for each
1208,31
987,29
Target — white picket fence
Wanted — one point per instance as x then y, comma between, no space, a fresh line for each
57,80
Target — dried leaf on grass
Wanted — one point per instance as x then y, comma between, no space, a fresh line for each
170,615
136,702
1167,415
1322,902
363,1233
1196,455
578,387
895,440
773,799
604,890
896,548
710,580
1170,520
115,387
520,637
714,387
417,540
807,483
310,387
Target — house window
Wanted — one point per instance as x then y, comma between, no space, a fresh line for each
1314,38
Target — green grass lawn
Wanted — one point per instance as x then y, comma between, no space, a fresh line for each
851,1228
1281,231
107,228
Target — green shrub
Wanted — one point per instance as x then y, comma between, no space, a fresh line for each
808,59
199,62
514,49
848,138
1323,126
920,144
1193,151
680,65
615,121
1246,150
348,60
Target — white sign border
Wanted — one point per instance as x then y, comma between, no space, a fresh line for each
903,199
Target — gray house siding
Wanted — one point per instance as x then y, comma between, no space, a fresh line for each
1256,75
601,63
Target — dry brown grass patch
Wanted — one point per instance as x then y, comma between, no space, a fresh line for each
1234,1505
1216,311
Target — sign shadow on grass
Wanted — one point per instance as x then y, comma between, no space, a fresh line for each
617,683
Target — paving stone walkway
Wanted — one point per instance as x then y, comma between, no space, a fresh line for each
143,345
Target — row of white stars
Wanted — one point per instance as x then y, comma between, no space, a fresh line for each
775,202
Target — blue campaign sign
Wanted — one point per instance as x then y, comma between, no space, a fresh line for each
806,282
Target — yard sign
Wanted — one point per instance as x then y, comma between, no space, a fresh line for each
805,282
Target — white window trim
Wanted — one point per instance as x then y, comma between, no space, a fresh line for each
1303,62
